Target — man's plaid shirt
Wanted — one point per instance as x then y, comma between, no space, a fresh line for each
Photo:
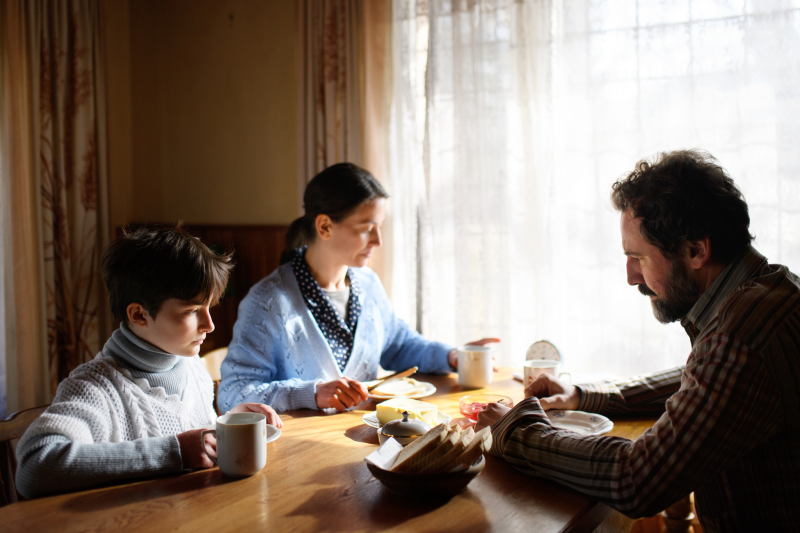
730,428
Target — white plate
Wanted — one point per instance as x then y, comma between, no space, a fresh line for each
580,422
273,433
427,391
371,419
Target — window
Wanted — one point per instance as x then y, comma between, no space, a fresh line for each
510,122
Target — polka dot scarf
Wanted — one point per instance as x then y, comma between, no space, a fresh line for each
339,334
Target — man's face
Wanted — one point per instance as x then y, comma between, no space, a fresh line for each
671,289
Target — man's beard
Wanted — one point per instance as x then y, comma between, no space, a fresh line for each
681,295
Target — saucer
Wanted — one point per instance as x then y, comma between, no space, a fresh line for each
427,390
273,433
580,422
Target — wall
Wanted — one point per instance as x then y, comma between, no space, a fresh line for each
203,110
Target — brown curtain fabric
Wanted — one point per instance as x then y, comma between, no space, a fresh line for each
71,171
345,46
27,377
332,88
377,17
55,173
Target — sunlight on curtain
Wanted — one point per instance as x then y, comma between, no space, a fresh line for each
511,121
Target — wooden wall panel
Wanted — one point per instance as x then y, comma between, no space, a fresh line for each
257,251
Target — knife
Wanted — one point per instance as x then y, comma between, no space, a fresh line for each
396,375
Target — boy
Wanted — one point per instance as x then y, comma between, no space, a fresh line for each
136,410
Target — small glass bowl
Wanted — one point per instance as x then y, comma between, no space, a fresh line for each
473,404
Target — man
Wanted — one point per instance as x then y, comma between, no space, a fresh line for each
730,428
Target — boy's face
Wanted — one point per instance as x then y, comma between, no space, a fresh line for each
178,328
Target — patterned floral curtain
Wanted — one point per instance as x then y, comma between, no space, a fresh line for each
72,172
345,84
332,103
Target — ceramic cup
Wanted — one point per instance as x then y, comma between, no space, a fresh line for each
533,368
475,366
241,443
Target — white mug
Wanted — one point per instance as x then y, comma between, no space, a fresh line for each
475,366
533,368
241,443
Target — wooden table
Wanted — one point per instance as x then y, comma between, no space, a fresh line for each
316,480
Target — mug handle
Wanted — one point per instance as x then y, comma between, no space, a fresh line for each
204,445
566,374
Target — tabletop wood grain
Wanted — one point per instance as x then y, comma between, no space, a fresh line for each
316,480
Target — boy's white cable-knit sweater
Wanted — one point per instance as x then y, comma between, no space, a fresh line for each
115,418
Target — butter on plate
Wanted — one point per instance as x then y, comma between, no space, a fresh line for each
393,409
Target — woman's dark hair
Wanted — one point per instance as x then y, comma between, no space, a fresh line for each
149,266
337,192
686,196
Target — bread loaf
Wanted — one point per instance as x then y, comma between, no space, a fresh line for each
438,465
481,444
421,461
422,445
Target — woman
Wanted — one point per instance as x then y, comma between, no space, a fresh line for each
311,331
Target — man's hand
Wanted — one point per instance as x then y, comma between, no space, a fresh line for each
340,394
269,412
490,415
452,357
192,453
553,393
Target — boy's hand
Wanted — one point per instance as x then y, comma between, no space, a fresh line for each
269,412
340,394
192,453
554,393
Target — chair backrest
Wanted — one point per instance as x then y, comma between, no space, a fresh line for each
10,429
15,425
213,361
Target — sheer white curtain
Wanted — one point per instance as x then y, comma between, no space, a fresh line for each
510,122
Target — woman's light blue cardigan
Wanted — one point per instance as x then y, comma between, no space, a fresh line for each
278,354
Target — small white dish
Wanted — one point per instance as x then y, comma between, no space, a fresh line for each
273,433
581,422
371,419
427,391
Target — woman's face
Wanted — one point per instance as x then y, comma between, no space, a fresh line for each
353,239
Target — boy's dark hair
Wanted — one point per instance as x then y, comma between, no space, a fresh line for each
685,196
151,265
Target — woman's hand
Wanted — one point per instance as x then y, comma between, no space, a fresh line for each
553,393
452,357
269,412
340,394
192,453
490,415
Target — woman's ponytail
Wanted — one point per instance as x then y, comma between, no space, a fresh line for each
299,233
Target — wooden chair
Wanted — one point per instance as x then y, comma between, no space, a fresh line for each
213,361
11,429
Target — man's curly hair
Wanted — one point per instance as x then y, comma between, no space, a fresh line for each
685,196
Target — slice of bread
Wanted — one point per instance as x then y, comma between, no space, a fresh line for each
436,466
422,445
420,462
481,444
